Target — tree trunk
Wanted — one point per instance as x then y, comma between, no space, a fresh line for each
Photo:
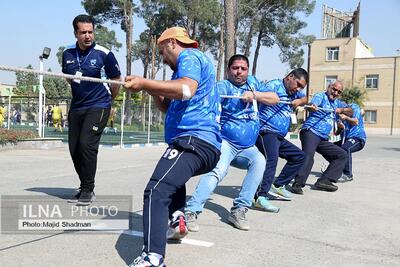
249,37
164,72
153,75
142,95
230,30
256,53
220,49
129,29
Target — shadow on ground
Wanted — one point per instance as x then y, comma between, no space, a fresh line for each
130,246
60,192
397,149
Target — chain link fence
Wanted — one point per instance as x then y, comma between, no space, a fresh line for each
145,127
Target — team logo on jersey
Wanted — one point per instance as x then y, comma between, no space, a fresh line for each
70,61
93,62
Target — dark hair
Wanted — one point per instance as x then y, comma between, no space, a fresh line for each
83,19
300,73
237,57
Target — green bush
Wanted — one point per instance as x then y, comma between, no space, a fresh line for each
13,136
354,95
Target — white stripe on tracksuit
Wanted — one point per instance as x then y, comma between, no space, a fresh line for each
151,192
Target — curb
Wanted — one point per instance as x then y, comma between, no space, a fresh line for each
39,143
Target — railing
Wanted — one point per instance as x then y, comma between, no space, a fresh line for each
146,125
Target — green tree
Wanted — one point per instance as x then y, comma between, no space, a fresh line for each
248,20
199,17
106,38
103,36
117,12
56,88
354,95
275,22
59,54
28,85
202,19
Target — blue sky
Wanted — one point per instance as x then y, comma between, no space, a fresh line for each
28,26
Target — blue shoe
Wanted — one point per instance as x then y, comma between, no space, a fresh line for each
262,203
280,193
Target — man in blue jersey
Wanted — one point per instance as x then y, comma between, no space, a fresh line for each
354,139
314,135
191,131
91,102
274,125
239,130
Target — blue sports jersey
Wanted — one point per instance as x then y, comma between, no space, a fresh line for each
355,131
198,115
276,118
321,122
97,62
239,120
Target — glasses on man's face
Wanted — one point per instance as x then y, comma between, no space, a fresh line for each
336,90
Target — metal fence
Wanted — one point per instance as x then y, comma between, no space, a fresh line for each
145,127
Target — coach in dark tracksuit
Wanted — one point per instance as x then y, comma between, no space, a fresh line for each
91,102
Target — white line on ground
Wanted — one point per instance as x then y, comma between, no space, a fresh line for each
187,241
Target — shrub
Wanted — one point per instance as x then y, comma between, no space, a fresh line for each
13,136
354,95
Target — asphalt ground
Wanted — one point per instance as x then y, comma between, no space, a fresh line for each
358,225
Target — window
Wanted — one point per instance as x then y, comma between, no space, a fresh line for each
329,80
371,81
370,116
332,54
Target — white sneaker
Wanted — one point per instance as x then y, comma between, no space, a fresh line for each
177,227
148,260
191,221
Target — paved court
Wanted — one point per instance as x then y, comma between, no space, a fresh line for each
357,225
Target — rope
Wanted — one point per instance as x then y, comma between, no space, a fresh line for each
97,80
232,96
281,102
61,75
308,106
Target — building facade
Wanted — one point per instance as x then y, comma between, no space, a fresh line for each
351,61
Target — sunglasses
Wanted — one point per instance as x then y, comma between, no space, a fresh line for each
337,91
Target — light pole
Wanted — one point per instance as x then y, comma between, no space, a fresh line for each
9,108
45,55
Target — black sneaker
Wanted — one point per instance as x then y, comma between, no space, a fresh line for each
295,188
75,198
326,185
85,198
